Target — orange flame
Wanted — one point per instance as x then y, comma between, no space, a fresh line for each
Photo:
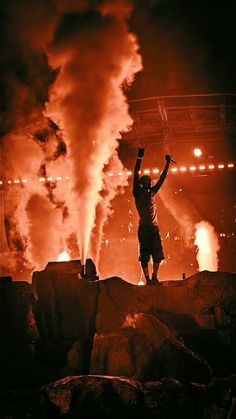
207,243
63,257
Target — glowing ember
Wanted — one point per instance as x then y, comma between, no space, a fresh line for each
207,243
141,283
63,257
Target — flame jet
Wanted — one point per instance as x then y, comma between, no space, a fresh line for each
207,243
96,57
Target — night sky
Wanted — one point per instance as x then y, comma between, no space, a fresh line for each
187,47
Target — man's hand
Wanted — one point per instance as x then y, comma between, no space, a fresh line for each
140,152
169,159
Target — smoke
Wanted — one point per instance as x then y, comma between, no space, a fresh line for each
97,56
111,186
207,244
183,211
193,231
75,58
45,241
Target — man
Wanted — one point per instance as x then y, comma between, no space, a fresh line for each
148,231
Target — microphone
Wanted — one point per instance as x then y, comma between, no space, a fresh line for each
173,161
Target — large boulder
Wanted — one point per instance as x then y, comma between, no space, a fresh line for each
103,397
146,348
74,326
65,312
18,332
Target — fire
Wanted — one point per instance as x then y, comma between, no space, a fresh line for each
141,283
207,243
63,257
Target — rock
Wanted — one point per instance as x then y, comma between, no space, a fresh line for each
74,326
145,348
168,398
18,330
66,305
104,397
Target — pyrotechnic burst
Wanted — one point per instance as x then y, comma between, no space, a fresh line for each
92,57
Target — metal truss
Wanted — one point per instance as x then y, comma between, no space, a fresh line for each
171,119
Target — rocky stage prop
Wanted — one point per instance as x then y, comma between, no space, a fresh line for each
61,326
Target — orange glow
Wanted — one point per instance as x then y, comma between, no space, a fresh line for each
207,243
183,169
141,283
221,166
211,166
192,168
174,169
63,257
202,167
197,152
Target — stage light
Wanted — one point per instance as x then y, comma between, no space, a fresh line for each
211,166
230,165
129,173
146,171
174,169
110,174
183,169
9,181
197,152
120,173
42,179
221,166
58,178
50,178
155,170
140,283
16,181
192,168
202,167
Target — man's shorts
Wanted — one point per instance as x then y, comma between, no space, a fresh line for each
149,243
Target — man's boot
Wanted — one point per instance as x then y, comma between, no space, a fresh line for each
154,280
148,280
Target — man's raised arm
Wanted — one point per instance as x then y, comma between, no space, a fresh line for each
161,179
136,170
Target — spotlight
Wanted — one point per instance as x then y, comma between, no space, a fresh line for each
197,152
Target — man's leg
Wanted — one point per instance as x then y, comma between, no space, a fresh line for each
145,271
155,269
144,251
157,254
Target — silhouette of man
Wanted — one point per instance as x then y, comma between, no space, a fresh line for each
148,231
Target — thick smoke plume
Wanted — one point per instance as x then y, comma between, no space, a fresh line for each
207,244
78,57
193,230
96,56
